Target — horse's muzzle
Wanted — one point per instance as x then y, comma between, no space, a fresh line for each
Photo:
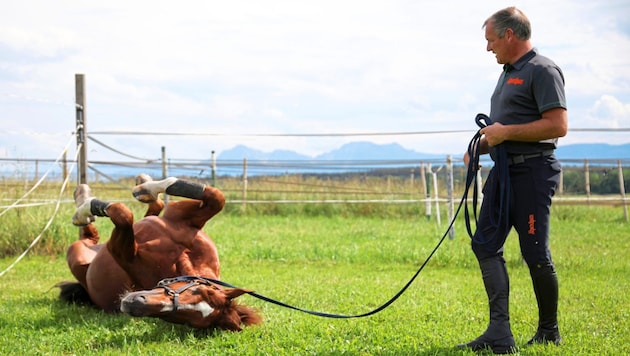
135,304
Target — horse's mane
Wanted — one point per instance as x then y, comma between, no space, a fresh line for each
248,315
236,315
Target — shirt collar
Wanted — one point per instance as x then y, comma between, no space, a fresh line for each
521,61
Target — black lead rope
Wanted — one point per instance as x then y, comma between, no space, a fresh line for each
470,176
498,192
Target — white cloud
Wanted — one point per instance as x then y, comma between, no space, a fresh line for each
611,111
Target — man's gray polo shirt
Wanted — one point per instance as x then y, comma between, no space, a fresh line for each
526,89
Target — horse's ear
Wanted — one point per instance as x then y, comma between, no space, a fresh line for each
232,293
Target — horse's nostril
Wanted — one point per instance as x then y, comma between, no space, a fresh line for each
140,298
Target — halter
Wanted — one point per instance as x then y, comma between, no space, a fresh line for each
192,281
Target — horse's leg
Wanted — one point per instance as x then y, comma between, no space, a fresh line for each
121,244
196,213
107,276
81,252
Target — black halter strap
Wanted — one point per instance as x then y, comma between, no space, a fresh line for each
192,281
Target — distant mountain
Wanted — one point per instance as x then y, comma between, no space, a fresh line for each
360,151
593,151
354,151
240,152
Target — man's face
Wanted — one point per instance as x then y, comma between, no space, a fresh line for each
496,45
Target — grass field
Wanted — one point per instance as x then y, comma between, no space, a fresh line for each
336,262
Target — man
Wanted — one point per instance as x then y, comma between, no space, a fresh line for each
528,114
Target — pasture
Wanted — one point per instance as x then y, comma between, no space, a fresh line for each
344,259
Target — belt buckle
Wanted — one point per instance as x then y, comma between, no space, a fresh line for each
517,159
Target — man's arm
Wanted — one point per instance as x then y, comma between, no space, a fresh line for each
552,124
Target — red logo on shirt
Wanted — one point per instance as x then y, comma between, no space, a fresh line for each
515,81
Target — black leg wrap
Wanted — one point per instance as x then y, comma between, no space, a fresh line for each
186,189
97,207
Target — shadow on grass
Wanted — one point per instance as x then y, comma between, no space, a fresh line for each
117,328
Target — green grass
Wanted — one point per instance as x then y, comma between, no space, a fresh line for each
344,263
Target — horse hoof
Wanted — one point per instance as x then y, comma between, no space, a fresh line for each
142,178
143,195
82,200
140,192
81,194
148,191
83,216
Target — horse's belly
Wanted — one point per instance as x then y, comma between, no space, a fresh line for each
106,281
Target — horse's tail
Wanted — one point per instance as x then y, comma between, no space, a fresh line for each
74,293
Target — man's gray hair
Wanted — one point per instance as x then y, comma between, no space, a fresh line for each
513,18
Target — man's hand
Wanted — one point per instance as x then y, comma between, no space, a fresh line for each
466,159
482,146
495,134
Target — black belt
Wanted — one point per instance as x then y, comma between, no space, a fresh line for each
517,159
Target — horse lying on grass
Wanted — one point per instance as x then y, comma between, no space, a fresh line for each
139,269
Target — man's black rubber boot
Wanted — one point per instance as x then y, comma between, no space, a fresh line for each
546,337
498,336
545,282
500,346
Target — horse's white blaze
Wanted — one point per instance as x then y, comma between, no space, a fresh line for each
203,307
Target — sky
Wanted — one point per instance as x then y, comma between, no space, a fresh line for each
247,72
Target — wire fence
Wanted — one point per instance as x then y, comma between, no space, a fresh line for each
433,183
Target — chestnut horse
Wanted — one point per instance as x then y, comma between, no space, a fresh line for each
138,270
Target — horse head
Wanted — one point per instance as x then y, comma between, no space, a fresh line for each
193,301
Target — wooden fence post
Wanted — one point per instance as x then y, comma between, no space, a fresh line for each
244,204
449,189
81,128
479,182
214,169
64,164
587,181
164,171
622,190
436,195
425,190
